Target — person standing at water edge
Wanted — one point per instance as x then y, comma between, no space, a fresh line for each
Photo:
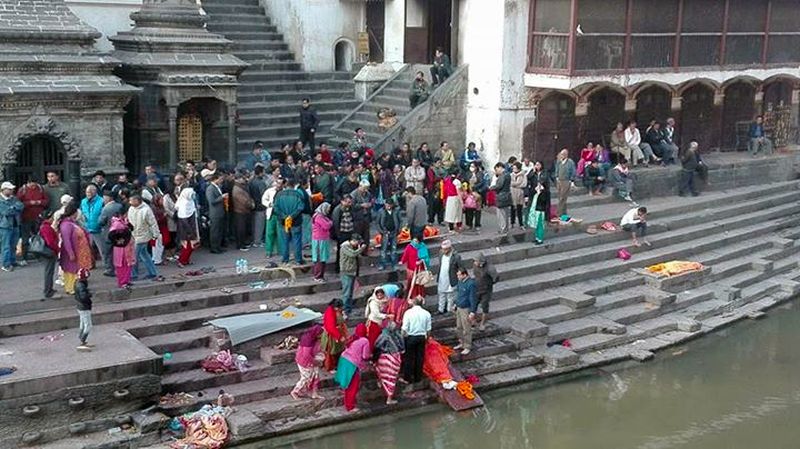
390,347
466,306
485,278
353,362
416,330
308,358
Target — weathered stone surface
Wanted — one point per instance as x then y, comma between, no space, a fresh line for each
527,328
679,283
576,299
764,266
688,325
244,424
558,356
641,355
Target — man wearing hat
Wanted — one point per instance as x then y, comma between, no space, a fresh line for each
447,279
362,209
10,221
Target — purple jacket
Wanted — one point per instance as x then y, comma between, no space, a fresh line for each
69,245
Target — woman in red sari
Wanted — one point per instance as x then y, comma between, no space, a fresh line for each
416,258
587,156
334,334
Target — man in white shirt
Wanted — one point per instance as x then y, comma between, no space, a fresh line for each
635,222
449,263
416,329
640,151
415,176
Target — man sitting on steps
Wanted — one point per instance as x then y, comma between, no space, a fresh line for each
635,222
419,90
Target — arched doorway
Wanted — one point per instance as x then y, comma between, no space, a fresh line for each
777,111
697,110
606,108
777,93
38,155
653,103
555,128
738,111
343,56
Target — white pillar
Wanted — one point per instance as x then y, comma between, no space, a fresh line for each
394,35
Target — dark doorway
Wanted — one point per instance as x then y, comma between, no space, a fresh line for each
376,24
776,94
555,128
737,113
428,26
698,107
37,156
653,103
606,108
343,56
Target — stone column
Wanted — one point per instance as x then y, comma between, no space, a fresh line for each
173,137
795,107
232,133
394,37
716,120
7,171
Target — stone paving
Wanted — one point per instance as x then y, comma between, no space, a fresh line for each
570,288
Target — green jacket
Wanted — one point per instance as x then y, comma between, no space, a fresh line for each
420,89
348,259
290,203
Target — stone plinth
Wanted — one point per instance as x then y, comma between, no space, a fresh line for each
370,77
57,391
675,284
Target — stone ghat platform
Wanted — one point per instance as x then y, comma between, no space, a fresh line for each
572,288
56,391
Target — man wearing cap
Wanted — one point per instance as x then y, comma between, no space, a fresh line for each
10,221
362,209
99,180
35,201
447,279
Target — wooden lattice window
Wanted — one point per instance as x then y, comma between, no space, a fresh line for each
190,137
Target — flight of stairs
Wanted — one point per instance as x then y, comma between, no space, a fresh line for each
393,96
573,287
275,83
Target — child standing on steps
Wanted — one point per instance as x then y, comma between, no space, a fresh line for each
84,298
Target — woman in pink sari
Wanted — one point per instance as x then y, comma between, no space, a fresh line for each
123,255
309,358
354,361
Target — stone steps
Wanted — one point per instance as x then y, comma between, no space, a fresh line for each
394,96
257,41
213,298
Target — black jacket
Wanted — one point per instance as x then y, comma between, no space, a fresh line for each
385,220
83,295
308,118
455,264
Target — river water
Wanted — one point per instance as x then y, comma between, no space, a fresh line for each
738,388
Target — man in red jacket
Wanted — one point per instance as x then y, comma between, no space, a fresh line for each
35,200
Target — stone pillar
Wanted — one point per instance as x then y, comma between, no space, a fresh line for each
758,102
371,77
173,137
232,159
7,171
795,107
630,109
716,120
74,177
394,38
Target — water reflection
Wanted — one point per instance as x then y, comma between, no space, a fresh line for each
735,389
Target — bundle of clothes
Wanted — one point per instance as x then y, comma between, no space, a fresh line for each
223,362
204,429
674,268
436,367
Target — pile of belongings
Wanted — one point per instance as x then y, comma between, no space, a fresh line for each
223,362
404,236
175,399
204,429
674,268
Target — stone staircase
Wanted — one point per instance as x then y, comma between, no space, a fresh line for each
392,95
572,288
273,86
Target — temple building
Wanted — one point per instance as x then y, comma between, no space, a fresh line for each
61,106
